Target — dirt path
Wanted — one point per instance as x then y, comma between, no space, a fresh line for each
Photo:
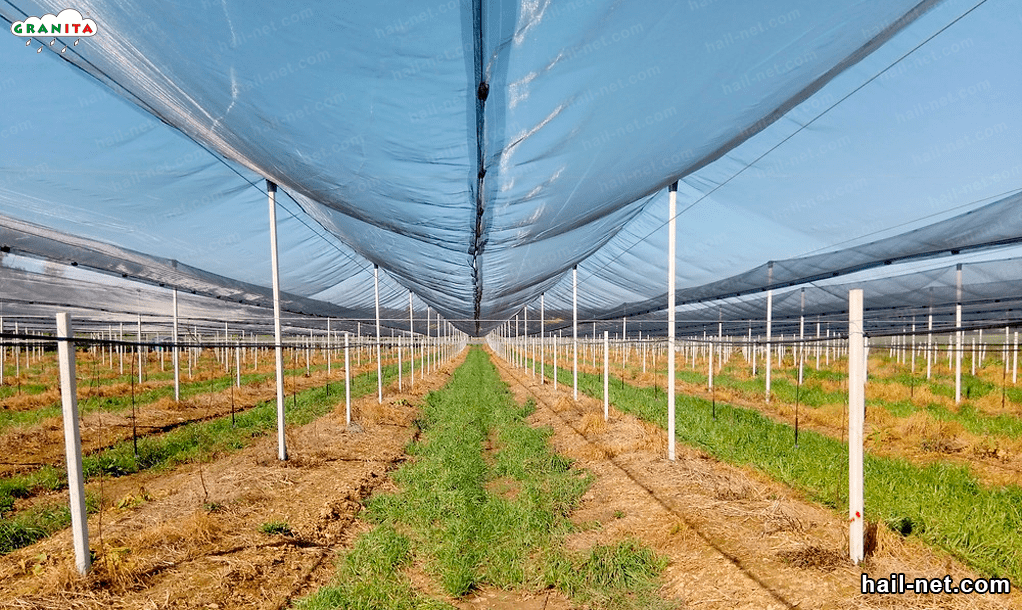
735,539
192,538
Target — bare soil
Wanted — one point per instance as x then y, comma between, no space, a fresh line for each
25,448
735,538
191,538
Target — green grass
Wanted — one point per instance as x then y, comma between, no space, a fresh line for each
36,523
276,528
811,394
942,504
199,441
484,502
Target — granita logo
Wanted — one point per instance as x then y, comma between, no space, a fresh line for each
67,24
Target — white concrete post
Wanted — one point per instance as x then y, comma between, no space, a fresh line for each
801,334
709,366
557,348
769,322
856,420
817,344
176,356
379,359
958,336
929,343
271,192
913,346
73,442
672,232
347,382
606,375
411,336
1014,359
1004,350
542,340
140,348
574,324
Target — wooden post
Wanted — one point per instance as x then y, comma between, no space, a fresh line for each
856,419
73,442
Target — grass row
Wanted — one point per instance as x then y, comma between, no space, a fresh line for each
195,442
941,504
483,502
812,394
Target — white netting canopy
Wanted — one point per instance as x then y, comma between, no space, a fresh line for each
478,151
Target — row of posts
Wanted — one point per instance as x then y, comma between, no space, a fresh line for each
520,349
433,350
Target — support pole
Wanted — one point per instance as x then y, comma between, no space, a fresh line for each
73,442
856,420
525,339
801,333
574,324
557,348
671,271
347,382
379,359
411,335
177,356
271,192
542,340
958,336
769,322
929,343
140,349
1014,359
606,375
